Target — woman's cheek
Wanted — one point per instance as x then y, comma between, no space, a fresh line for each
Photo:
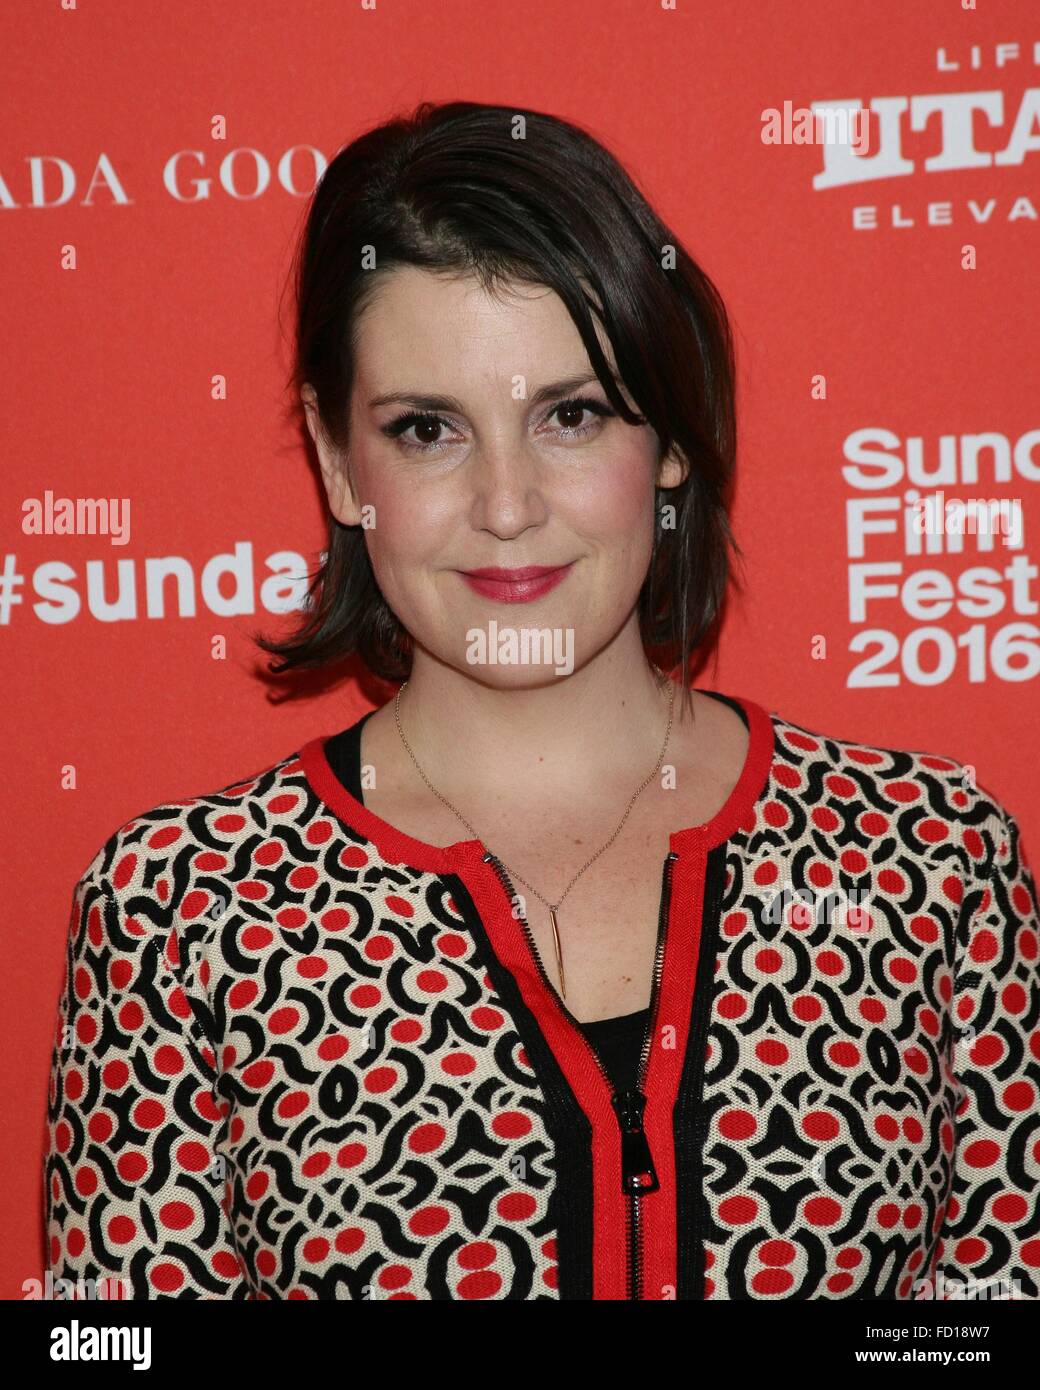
619,500
402,535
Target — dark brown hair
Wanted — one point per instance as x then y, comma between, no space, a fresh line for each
513,194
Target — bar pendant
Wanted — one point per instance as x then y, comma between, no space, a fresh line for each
559,953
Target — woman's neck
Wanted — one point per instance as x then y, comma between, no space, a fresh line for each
603,724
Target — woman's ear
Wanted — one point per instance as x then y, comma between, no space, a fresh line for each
335,465
672,470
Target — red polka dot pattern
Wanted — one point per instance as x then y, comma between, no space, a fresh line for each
836,1057
283,1070
361,1055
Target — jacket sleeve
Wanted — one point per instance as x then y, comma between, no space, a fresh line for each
990,1232
133,1183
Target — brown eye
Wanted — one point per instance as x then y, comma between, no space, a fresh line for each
432,429
425,427
570,414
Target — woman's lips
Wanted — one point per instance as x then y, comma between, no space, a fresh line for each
515,586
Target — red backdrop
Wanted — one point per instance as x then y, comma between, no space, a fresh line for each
884,308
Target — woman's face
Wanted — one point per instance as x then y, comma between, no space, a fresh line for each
464,455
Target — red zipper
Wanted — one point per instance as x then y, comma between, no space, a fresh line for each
638,1176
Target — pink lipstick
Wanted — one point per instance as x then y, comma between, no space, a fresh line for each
518,585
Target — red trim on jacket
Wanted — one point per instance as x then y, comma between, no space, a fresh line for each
577,1061
397,847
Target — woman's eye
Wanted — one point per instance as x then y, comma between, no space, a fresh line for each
570,414
427,430
419,432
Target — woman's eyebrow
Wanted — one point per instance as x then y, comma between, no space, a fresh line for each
550,391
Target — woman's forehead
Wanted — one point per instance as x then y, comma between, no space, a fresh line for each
445,327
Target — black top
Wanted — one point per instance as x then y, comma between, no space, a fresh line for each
618,1041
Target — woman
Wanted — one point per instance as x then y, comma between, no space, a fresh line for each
539,982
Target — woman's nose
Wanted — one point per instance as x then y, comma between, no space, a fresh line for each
508,487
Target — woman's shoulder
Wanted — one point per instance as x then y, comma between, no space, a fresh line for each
206,830
931,797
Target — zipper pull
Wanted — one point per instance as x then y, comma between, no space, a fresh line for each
637,1164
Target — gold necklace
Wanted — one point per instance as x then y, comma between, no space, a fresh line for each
553,907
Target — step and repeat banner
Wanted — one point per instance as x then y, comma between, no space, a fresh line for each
861,183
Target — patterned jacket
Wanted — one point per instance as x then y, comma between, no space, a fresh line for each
301,1054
